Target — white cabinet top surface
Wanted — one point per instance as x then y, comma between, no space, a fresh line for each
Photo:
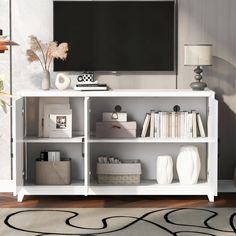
117,93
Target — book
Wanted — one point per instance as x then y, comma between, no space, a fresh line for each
164,124
145,125
177,122
194,122
157,125
173,135
90,87
152,124
190,125
168,127
182,125
200,126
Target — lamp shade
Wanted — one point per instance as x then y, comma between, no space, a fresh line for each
198,54
4,43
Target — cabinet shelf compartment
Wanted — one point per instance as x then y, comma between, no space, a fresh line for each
137,107
147,154
34,112
68,150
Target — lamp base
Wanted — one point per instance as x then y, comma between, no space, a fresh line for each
198,86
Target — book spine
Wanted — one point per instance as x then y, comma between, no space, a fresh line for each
173,135
160,124
163,128
145,125
157,125
182,125
200,126
194,122
152,124
190,125
179,124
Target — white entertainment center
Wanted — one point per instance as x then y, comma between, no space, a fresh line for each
83,148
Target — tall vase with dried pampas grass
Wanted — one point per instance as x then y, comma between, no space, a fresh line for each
45,53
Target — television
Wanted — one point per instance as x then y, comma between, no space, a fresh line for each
116,35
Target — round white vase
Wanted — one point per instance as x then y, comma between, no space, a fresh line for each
62,81
46,80
188,165
164,169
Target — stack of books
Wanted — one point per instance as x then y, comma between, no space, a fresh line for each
165,124
90,86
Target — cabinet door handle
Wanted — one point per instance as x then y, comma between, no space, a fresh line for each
116,127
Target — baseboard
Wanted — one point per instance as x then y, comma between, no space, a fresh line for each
6,186
226,186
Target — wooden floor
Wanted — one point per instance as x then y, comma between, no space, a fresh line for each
223,200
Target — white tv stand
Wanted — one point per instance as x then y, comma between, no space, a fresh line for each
83,148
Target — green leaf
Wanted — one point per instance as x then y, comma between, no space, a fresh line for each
1,85
3,104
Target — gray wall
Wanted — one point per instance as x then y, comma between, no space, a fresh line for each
200,21
213,21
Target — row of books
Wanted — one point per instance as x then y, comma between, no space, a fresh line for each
181,124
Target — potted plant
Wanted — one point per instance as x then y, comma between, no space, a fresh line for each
45,53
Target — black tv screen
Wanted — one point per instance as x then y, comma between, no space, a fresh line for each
116,35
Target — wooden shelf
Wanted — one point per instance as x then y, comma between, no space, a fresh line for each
151,140
76,139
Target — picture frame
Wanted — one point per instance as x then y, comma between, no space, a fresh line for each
42,102
52,108
60,125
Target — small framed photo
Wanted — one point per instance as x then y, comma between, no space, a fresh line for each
60,125
61,122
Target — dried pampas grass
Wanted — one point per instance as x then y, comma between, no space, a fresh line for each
45,53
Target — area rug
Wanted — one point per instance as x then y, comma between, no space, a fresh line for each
118,222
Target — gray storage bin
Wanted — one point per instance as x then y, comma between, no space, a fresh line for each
53,173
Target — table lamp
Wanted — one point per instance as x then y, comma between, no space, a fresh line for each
198,55
4,42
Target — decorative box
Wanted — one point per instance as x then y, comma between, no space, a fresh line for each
127,173
53,172
116,129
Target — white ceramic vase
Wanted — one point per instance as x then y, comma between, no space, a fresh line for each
164,169
62,81
188,165
46,80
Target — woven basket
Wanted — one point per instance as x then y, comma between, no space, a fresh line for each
119,179
127,173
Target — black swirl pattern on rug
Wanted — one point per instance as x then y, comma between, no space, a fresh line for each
135,220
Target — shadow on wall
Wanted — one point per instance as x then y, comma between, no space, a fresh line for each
222,80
